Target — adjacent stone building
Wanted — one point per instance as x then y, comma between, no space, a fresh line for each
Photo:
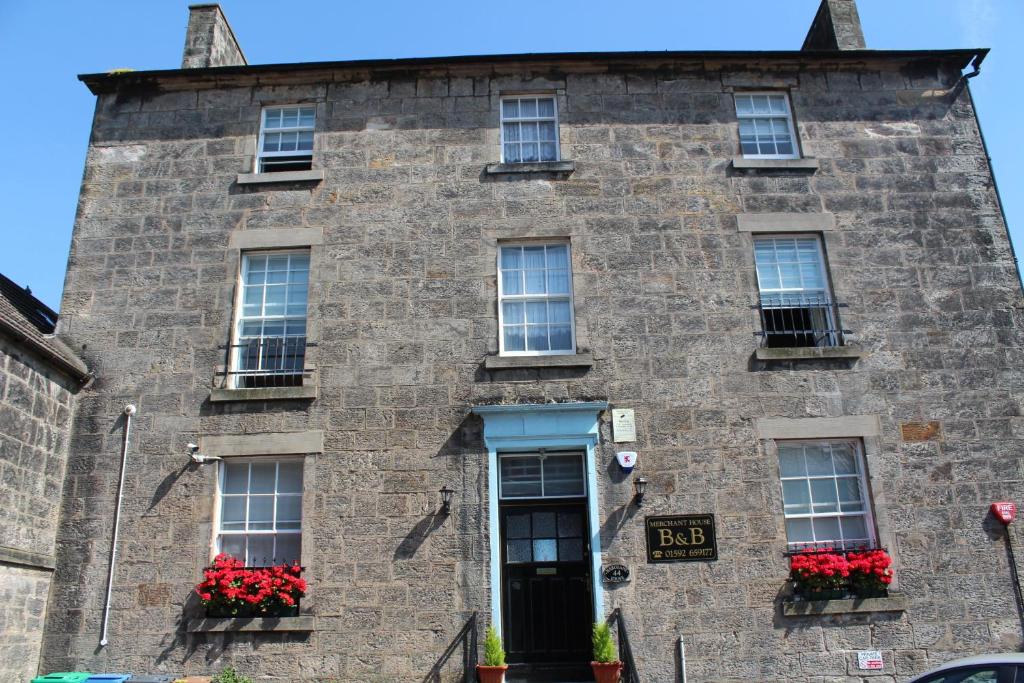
39,379
350,285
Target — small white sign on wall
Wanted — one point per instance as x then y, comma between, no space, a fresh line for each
623,425
869,660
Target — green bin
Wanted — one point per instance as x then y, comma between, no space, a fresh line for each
64,677
108,678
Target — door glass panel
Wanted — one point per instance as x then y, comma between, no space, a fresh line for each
570,524
570,550
544,550
518,551
543,524
550,476
517,526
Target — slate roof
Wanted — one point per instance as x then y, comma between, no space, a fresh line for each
31,322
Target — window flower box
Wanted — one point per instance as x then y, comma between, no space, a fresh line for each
826,574
231,590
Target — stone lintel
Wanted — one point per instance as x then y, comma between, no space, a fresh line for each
558,168
276,238
254,624
307,392
806,608
818,427
785,222
577,360
263,443
27,559
311,176
805,164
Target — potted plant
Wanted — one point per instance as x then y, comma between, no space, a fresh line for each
606,664
870,573
493,669
819,574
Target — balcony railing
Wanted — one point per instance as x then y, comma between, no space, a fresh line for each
799,320
263,362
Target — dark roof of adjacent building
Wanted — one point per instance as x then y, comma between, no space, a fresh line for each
100,83
29,321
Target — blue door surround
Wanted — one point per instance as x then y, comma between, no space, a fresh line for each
529,427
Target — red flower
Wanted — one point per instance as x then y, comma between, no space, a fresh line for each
231,588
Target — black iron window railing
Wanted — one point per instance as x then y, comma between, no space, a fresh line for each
799,320
262,362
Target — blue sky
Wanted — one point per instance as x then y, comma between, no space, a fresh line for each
44,45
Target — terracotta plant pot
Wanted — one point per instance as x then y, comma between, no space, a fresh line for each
491,674
606,672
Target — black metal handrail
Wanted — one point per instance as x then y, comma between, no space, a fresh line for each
629,671
467,638
799,320
262,362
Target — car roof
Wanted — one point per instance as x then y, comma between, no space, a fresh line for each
1000,658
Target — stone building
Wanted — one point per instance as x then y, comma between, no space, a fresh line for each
39,378
353,284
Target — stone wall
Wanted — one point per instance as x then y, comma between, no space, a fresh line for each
35,420
403,310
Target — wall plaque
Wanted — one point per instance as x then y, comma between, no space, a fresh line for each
623,425
616,573
681,538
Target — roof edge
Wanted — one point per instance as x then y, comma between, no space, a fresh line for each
78,371
99,83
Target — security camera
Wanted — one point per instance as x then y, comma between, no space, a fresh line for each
198,457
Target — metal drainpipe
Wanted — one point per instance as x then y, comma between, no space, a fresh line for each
682,660
129,411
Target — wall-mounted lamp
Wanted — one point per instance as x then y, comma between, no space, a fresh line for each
446,499
639,489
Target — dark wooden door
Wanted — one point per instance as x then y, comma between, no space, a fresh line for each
546,583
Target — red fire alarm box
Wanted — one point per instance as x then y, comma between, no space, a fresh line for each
1004,511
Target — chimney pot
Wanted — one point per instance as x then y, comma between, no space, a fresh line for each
836,26
209,40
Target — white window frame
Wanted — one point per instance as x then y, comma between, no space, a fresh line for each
867,513
239,314
219,533
541,455
502,298
790,122
502,121
261,155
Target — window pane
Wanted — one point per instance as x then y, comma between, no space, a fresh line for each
288,548
290,477
546,107
289,510
510,109
823,495
570,550
744,105
261,550
518,551
854,528
232,514
563,476
544,525
548,151
570,524
261,513
826,528
236,477
560,338
535,283
513,313
527,108
511,282
511,131
511,257
558,256
545,550
546,130
512,153
517,526
849,491
537,338
515,339
533,257
791,461
233,545
796,497
560,311
819,460
845,458
305,141
529,152
263,476
799,531
520,477
536,312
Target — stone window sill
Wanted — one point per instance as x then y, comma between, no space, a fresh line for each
314,176
805,608
252,625
561,169
809,353
577,360
307,392
805,164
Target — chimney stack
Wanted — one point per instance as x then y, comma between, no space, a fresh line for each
209,40
836,26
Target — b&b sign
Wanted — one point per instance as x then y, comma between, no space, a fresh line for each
681,538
